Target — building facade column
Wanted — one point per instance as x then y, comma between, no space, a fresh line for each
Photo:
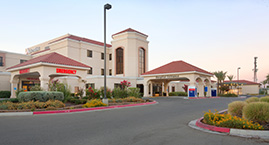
166,88
14,86
44,82
81,84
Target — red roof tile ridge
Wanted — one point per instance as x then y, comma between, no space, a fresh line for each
129,30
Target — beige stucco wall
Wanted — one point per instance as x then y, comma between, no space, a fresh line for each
130,42
250,89
4,81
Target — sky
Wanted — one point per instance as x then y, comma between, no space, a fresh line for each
215,35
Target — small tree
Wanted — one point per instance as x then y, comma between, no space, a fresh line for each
185,87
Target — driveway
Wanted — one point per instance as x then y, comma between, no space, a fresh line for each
161,124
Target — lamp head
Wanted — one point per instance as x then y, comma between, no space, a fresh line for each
107,6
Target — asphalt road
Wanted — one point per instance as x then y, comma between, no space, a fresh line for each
161,124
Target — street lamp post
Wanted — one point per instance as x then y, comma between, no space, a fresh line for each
238,81
106,7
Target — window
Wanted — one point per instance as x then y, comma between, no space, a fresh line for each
47,47
102,71
89,53
110,72
22,61
89,71
102,56
1,61
117,85
110,56
141,61
119,61
173,88
92,85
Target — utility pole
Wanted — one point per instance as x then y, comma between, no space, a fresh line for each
255,69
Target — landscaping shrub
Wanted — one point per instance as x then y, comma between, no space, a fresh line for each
41,96
252,99
18,91
227,95
264,99
134,92
5,94
257,111
14,100
51,108
35,88
132,99
235,108
178,94
108,92
94,103
55,85
26,105
92,93
55,103
119,93
229,121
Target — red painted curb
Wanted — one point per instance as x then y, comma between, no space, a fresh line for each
91,109
202,97
210,127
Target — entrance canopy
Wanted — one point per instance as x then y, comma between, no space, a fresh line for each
44,68
178,71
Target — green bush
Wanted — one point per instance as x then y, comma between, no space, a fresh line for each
5,94
41,96
235,108
35,88
93,93
133,92
14,100
252,99
108,92
18,91
228,95
257,112
178,94
55,85
119,93
264,99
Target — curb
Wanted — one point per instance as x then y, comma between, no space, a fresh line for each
77,110
200,98
197,124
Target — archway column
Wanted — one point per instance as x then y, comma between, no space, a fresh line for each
44,82
14,86
166,88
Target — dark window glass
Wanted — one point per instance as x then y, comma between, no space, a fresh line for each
142,61
102,56
1,61
116,85
90,71
22,61
89,53
173,89
110,72
102,71
119,61
92,85
110,56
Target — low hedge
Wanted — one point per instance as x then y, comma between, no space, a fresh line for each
5,94
227,95
41,96
178,94
257,111
31,105
235,108
252,99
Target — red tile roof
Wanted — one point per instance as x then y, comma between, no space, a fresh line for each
82,39
53,58
245,82
129,30
174,67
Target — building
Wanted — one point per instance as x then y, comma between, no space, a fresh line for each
245,87
79,62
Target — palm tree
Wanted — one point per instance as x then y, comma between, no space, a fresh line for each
230,77
267,78
264,83
220,75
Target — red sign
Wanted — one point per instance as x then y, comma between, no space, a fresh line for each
65,71
24,70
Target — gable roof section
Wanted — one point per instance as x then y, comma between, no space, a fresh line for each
52,58
129,30
82,39
176,67
244,82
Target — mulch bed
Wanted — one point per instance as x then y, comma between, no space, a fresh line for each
68,106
